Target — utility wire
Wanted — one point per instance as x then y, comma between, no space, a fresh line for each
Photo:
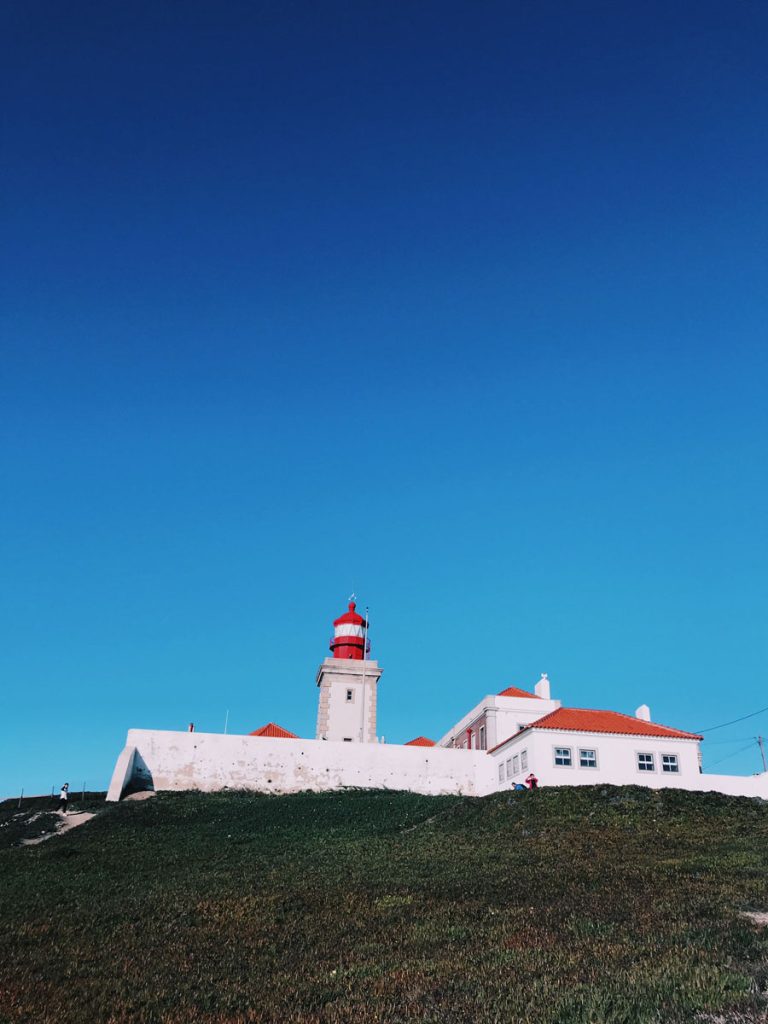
736,739
735,720
732,754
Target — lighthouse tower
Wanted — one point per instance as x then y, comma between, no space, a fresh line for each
348,681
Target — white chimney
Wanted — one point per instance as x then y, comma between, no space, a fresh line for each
541,689
643,713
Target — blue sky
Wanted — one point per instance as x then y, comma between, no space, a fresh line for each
461,306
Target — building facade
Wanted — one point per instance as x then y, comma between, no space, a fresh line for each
496,745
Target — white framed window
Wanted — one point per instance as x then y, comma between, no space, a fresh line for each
501,772
516,764
481,737
670,763
563,757
587,758
646,763
509,767
350,696
523,760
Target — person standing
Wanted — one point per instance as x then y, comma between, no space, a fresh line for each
532,782
63,798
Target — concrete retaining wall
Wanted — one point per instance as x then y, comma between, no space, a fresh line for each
123,773
212,761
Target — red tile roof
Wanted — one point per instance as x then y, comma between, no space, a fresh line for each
515,691
274,732
420,741
587,720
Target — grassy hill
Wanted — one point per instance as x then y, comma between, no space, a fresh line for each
566,905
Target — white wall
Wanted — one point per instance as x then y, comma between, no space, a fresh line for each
350,718
617,763
501,717
123,773
212,761
337,718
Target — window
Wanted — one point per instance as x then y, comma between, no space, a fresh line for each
350,695
523,760
501,772
516,763
645,763
563,757
587,759
509,768
669,763
482,737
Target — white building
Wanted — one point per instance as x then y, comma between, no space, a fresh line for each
497,745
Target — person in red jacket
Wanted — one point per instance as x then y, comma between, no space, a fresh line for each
532,782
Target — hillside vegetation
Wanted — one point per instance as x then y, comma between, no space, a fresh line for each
566,905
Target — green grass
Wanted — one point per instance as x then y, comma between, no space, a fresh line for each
567,905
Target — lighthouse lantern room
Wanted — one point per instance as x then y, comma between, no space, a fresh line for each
350,635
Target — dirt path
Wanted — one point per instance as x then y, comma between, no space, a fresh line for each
759,917
68,821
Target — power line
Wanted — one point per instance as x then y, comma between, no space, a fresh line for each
732,754
736,739
735,720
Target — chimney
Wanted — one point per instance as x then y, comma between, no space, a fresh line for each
643,713
541,689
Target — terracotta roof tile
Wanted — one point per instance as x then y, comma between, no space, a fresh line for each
274,732
420,741
515,691
588,720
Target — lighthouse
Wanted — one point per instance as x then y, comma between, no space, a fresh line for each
348,683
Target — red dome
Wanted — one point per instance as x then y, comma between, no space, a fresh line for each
350,616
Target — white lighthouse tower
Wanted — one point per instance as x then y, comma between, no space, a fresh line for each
348,681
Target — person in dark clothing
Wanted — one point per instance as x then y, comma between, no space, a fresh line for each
63,798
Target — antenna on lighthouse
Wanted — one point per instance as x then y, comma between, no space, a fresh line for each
362,687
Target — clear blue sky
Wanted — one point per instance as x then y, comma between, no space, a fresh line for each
460,305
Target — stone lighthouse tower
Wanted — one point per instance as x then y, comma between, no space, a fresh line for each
347,707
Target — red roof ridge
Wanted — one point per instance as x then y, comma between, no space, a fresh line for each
602,722
420,741
517,691
274,731
641,727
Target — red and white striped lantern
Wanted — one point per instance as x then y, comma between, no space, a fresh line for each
350,632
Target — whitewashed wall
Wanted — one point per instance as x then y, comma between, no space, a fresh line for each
339,719
617,763
502,716
212,761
